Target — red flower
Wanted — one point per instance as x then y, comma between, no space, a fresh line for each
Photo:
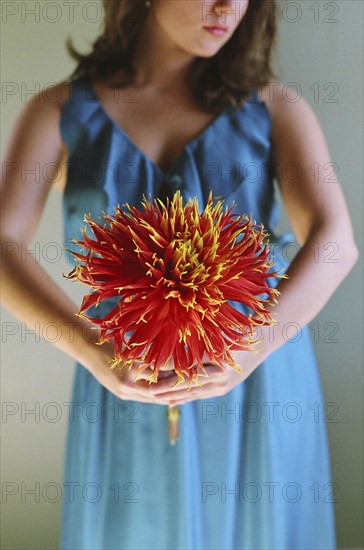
174,271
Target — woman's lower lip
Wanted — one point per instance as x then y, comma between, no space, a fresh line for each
215,31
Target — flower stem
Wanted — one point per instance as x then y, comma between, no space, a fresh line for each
173,414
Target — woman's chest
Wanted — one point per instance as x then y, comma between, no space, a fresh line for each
160,127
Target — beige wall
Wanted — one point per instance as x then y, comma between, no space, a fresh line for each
319,56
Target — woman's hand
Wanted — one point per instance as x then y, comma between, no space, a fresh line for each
218,382
121,382
131,384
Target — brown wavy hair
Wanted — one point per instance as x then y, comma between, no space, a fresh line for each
243,63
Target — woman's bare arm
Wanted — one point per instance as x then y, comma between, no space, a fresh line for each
28,292
317,211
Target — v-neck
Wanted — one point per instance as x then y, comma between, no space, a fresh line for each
125,135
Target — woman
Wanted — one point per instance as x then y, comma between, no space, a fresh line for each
180,95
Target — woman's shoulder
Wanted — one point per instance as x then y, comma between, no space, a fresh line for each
55,95
285,102
36,127
49,102
46,105
44,110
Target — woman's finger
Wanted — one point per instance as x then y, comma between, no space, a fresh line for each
135,394
140,390
166,386
198,392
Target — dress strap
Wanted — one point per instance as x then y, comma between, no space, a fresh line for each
77,111
254,96
258,109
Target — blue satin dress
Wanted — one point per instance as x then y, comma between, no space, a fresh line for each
251,469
